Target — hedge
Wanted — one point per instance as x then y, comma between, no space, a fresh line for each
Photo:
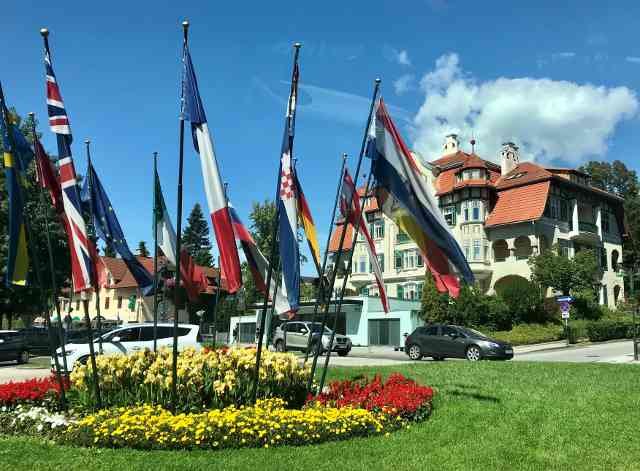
602,330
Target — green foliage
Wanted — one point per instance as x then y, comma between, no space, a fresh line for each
109,251
526,334
585,305
567,275
262,217
599,331
142,249
524,300
435,305
195,238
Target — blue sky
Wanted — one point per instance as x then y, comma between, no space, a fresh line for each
561,80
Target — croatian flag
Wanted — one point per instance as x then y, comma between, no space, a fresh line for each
79,244
287,204
404,196
214,189
351,210
259,266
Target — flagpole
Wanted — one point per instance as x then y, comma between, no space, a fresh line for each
215,306
340,251
85,294
155,252
54,284
274,231
344,284
94,240
320,291
174,368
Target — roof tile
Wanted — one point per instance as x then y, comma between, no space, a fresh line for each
519,204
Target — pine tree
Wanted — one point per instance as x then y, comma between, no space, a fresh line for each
109,251
142,249
195,238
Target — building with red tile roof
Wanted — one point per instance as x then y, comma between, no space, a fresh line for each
500,214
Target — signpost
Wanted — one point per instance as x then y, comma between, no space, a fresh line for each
565,307
632,274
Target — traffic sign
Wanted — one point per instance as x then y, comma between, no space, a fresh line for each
564,299
565,315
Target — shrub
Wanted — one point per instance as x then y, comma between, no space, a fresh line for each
523,299
474,309
206,379
602,330
397,396
577,330
266,424
32,420
525,334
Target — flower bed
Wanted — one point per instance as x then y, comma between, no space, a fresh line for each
32,420
32,391
206,379
398,396
267,424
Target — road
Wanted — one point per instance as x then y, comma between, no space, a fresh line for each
607,352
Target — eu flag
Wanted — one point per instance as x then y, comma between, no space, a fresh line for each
108,229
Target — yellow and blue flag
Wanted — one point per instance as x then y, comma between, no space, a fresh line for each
18,256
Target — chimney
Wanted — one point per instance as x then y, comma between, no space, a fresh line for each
451,144
509,157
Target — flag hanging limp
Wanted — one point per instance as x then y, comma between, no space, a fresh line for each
352,211
81,251
214,189
403,195
192,275
309,226
18,256
109,230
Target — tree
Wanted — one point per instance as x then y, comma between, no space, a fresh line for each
567,275
195,238
435,305
108,251
262,216
524,300
142,249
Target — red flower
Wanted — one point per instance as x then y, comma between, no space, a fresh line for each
397,396
31,390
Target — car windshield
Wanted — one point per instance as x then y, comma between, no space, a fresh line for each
473,333
315,328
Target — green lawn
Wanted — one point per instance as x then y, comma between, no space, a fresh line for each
487,416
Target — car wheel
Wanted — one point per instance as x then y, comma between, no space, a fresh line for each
23,357
473,353
343,353
279,346
415,352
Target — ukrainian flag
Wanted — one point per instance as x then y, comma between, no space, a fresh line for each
18,256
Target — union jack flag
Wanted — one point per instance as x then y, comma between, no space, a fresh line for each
79,244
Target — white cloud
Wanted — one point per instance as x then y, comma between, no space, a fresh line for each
548,119
394,55
403,84
633,59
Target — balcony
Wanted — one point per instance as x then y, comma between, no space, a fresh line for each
587,227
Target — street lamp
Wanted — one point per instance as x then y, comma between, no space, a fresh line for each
632,274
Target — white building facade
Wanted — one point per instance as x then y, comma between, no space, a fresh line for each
500,215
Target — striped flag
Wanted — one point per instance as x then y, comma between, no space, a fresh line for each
306,219
287,204
214,189
403,195
79,245
349,196
258,265
18,256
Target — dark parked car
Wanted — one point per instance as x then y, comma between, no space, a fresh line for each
37,339
13,347
451,341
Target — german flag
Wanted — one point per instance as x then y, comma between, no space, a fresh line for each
304,214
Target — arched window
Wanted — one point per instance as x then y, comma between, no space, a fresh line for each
523,248
614,260
500,250
616,294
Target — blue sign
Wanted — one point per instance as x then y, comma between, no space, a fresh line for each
564,299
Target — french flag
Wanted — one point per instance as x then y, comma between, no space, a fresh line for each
214,189
404,196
